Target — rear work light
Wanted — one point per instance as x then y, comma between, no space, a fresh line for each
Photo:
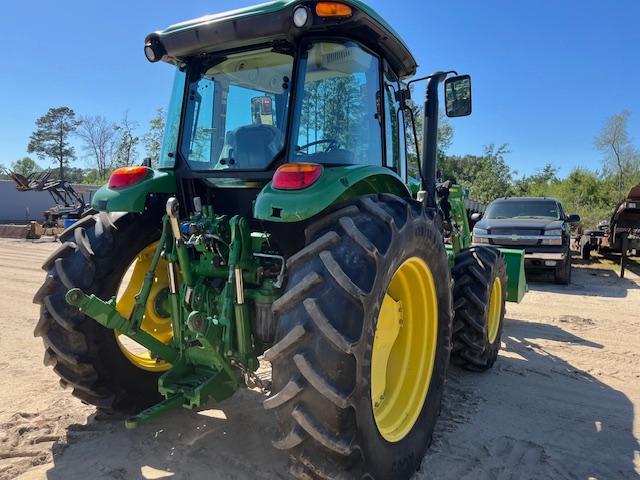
296,176
126,176
333,9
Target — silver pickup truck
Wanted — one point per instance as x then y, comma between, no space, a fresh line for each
537,225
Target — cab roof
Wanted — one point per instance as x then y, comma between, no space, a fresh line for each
270,22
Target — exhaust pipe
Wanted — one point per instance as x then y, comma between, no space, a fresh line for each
430,137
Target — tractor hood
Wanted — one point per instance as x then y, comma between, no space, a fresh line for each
270,22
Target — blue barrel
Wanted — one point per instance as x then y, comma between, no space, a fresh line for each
69,221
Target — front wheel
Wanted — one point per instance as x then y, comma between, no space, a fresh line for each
562,274
479,295
363,342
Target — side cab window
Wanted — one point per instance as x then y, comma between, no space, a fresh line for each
394,128
172,124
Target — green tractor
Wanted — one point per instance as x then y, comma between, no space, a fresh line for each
281,223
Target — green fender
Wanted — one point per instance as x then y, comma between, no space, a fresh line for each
133,198
336,185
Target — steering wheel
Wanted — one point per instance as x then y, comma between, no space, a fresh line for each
333,144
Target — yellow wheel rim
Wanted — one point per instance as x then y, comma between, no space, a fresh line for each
404,349
156,321
495,310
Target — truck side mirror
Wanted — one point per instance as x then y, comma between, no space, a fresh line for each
457,96
573,218
475,217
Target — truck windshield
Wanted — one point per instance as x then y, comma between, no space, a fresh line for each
544,209
235,115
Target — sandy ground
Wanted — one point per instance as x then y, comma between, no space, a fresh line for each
559,403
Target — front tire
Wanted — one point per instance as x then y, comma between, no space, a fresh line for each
94,256
479,296
325,361
562,274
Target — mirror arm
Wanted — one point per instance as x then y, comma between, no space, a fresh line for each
429,77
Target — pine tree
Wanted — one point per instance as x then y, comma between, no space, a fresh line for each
50,139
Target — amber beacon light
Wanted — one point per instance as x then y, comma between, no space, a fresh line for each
333,9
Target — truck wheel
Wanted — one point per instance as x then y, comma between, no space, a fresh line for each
363,342
479,295
562,274
103,368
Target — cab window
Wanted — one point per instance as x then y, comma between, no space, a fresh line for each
338,118
236,108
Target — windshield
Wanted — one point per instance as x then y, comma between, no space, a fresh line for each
236,115
544,209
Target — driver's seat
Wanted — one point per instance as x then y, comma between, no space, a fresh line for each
253,146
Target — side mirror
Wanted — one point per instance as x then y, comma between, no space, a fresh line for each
573,218
475,217
457,96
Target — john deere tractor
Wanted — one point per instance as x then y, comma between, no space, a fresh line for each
281,224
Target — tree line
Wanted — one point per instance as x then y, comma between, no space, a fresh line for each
106,144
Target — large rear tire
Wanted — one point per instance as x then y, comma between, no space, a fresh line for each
94,256
330,356
479,295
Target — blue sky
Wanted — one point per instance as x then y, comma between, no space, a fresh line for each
546,74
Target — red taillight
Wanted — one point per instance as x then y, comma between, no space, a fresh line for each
295,176
125,176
